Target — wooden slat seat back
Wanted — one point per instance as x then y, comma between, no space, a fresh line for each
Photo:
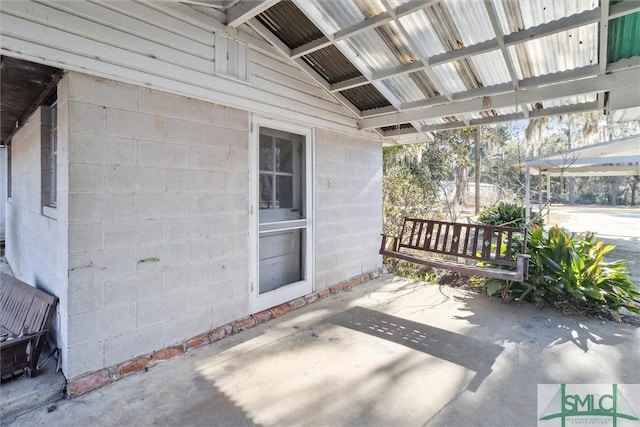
496,245
478,242
26,311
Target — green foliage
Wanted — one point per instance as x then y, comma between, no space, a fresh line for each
508,215
568,271
410,270
411,184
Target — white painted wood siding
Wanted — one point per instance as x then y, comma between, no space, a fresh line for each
167,46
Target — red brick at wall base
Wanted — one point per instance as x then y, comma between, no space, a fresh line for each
197,341
244,323
279,310
133,365
297,303
168,352
263,316
220,332
86,383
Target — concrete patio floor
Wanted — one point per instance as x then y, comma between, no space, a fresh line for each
390,352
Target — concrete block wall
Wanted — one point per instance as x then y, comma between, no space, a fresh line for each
158,208
348,206
36,236
148,246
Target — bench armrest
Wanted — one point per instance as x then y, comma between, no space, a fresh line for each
394,242
18,341
523,265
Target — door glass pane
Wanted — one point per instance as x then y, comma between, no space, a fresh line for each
284,192
281,260
284,155
266,191
266,153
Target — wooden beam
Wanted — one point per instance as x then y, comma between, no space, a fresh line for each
619,80
310,47
244,10
489,91
349,84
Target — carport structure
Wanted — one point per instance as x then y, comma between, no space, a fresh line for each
620,157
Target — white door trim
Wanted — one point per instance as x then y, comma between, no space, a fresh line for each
259,302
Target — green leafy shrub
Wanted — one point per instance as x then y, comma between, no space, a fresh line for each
568,271
508,215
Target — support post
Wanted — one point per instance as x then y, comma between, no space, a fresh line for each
572,198
527,185
477,195
539,191
549,198
527,194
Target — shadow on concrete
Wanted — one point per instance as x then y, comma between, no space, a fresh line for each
541,346
540,327
167,396
214,407
471,353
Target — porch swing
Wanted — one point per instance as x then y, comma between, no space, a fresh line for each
421,241
500,250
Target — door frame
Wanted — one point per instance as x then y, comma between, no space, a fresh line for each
286,293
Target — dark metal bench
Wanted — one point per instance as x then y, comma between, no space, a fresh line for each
25,315
420,239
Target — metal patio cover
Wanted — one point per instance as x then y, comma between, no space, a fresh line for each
408,68
620,157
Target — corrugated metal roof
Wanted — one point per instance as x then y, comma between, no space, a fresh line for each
568,100
423,34
460,54
336,14
405,88
519,15
373,51
471,21
444,26
624,37
366,97
289,24
559,52
397,127
508,110
491,68
331,64
394,39
448,75
424,83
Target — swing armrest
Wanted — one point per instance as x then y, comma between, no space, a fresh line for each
394,243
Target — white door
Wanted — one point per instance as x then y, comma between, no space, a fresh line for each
283,199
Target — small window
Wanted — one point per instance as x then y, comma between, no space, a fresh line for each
49,155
